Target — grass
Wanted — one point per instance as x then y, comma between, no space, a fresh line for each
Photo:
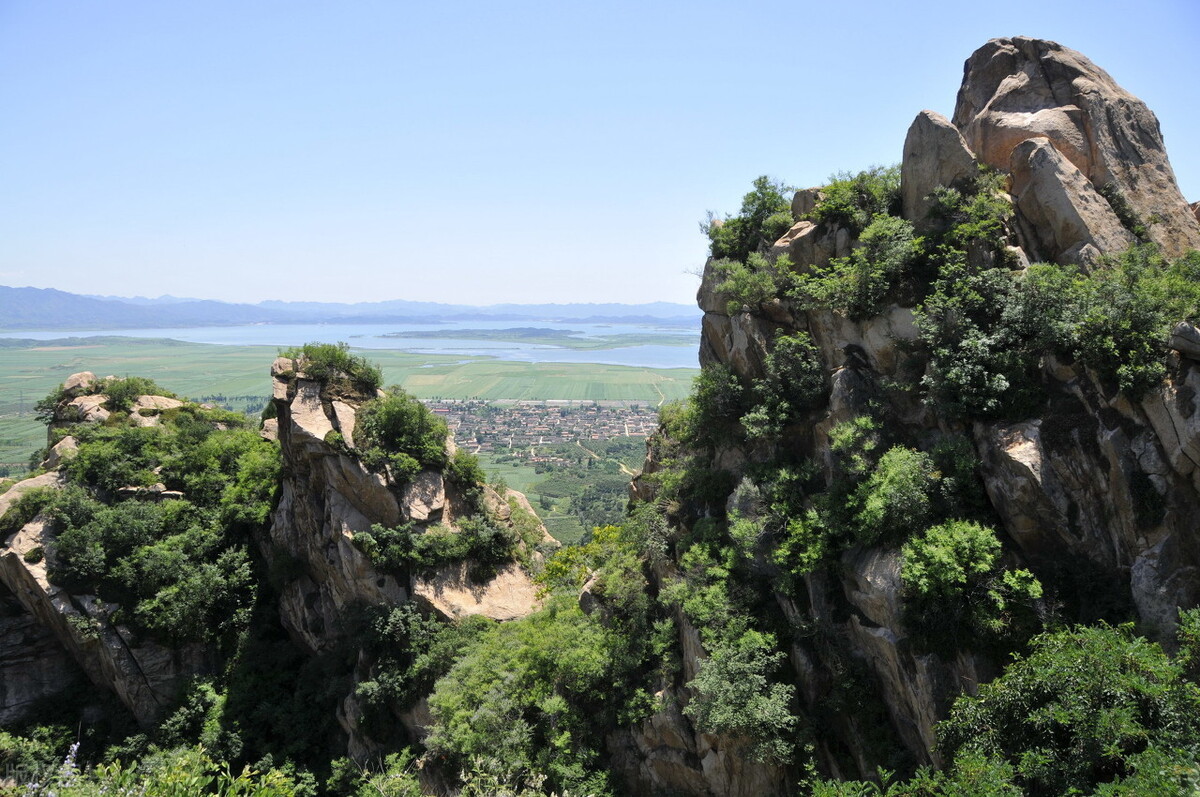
197,369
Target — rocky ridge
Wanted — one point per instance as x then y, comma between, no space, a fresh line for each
1086,175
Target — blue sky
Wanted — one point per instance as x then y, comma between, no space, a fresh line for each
477,152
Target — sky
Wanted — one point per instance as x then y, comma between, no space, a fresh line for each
478,152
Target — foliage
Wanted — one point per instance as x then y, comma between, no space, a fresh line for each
765,215
976,215
411,652
896,498
399,430
858,285
25,509
122,392
529,693
956,588
987,332
173,773
792,384
408,548
329,362
853,200
753,282
1080,710
718,400
734,695
177,569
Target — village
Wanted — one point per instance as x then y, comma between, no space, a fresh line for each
531,429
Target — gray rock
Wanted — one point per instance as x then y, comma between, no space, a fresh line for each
1021,88
935,154
1062,217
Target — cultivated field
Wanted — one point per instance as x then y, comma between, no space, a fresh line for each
195,370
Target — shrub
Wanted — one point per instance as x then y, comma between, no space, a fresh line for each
765,215
958,590
533,693
793,384
734,695
896,498
405,548
25,509
717,401
857,286
751,283
398,424
1078,711
331,361
853,200
121,392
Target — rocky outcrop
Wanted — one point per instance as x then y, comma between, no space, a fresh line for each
1021,88
1098,495
1063,218
34,666
328,495
145,676
935,155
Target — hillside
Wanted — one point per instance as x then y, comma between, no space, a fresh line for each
46,308
925,526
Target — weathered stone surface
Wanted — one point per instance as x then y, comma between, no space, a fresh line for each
1062,217
935,154
10,496
807,244
60,452
79,383
89,408
1185,339
452,593
425,497
33,665
1021,88
146,677
343,417
804,201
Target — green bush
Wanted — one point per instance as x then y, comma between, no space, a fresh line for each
398,424
535,694
793,384
858,285
957,590
765,215
406,548
327,362
121,392
734,695
853,200
1086,706
25,509
753,282
896,498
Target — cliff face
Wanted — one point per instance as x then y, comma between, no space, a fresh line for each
327,495
73,629
1092,487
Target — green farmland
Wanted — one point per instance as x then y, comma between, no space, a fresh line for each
195,370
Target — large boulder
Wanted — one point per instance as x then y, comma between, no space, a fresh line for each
935,154
1061,216
1021,88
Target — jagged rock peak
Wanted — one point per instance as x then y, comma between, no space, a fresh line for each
1019,88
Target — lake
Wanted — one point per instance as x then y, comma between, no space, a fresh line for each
371,336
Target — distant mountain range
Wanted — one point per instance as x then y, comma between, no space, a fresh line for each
47,308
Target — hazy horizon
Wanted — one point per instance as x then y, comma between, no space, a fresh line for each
475,153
